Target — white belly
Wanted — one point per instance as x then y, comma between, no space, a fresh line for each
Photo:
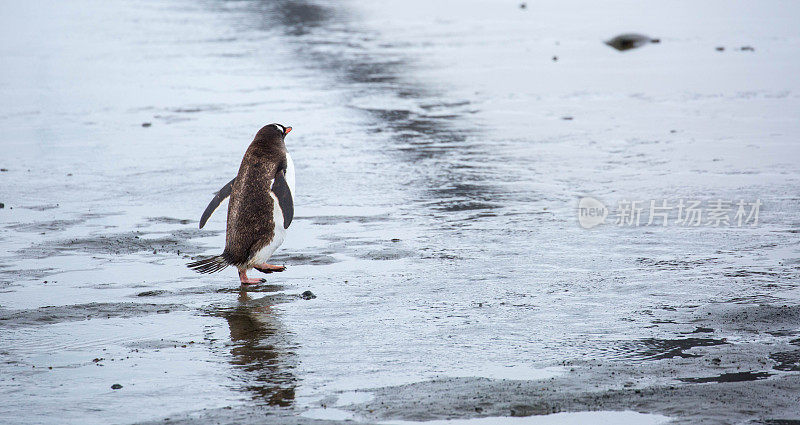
277,239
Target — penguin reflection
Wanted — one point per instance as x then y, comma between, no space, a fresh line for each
261,351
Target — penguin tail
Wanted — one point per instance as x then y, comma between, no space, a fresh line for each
209,265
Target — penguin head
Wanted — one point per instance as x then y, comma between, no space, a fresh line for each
272,134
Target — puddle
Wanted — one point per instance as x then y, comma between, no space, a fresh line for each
729,377
352,397
657,349
787,360
568,418
329,414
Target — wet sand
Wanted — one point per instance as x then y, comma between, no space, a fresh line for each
440,153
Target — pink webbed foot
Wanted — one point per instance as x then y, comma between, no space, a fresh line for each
269,268
247,280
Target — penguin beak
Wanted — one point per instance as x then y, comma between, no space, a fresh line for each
288,129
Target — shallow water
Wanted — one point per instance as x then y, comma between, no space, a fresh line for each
438,180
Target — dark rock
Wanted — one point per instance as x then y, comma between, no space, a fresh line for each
555,58
146,124
153,293
4,169
116,386
720,49
624,42
566,118
523,5
747,49
308,295
2,205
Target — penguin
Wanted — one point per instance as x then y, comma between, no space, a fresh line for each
260,210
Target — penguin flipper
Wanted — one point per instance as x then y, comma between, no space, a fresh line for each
218,198
280,187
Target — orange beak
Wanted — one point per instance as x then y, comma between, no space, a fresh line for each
288,129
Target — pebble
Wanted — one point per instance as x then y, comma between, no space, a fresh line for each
116,386
624,42
146,124
308,295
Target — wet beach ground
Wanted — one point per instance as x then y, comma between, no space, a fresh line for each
441,153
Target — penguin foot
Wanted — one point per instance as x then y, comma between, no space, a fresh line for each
252,281
269,268
249,280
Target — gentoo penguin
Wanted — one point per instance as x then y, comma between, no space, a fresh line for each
260,209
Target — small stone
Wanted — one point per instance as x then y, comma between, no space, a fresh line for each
308,295
146,124
395,240
747,49
567,118
555,58
720,49
523,5
624,42
4,169
116,386
2,205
